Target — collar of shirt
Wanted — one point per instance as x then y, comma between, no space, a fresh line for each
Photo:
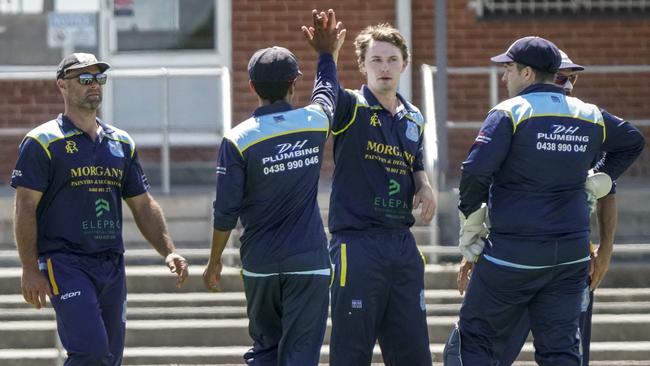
276,107
402,111
67,125
542,88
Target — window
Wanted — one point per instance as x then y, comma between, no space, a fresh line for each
486,8
154,25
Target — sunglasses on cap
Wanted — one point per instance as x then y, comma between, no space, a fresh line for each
88,78
562,79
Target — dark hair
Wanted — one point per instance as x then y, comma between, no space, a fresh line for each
541,76
383,32
272,91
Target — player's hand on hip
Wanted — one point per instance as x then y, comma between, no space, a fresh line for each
600,262
326,35
35,287
212,276
424,197
177,264
597,186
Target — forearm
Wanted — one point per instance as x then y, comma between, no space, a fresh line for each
473,192
25,231
607,221
421,180
151,223
219,242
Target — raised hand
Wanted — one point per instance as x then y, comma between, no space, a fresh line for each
326,35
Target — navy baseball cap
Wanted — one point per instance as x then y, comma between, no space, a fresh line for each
536,52
79,61
273,64
567,64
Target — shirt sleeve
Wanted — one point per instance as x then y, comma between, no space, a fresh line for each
135,181
32,167
418,163
485,157
623,144
345,104
231,180
326,85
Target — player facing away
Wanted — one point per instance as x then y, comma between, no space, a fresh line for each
379,178
70,178
524,161
567,77
267,176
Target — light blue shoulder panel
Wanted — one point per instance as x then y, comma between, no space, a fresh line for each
122,136
258,129
47,133
531,105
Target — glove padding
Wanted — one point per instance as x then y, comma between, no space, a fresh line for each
472,229
597,186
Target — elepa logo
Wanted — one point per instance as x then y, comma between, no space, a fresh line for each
393,187
101,206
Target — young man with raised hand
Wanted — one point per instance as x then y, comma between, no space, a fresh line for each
379,178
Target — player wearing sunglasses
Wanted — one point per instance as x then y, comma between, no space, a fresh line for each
70,178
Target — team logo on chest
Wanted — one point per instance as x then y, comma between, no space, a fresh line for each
115,148
71,147
374,120
412,131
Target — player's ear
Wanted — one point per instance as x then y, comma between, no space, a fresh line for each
251,87
60,83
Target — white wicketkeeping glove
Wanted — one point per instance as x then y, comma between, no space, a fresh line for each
472,229
597,186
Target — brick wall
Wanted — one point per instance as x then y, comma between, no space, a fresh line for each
588,41
471,41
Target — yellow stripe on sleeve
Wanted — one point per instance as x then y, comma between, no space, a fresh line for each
344,264
50,273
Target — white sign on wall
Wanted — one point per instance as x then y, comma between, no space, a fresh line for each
79,29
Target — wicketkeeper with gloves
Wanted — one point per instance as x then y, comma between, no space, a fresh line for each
527,172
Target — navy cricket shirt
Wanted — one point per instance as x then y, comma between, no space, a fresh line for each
267,176
83,183
375,154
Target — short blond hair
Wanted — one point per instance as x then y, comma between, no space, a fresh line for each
383,32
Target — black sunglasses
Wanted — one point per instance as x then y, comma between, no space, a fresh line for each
87,78
562,79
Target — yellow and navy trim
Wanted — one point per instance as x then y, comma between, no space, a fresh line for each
49,132
47,266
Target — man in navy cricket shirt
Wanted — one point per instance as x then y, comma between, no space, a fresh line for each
267,176
529,163
379,178
71,176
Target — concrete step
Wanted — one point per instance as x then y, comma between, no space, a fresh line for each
234,332
602,354
232,305
156,279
